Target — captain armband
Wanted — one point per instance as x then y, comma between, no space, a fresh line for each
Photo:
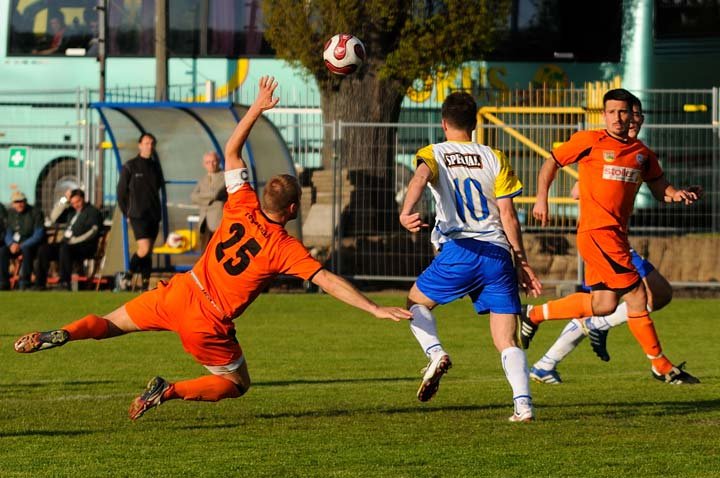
235,178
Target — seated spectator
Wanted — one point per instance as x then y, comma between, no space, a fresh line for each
57,28
60,211
23,236
91,23
79,241
3,225
210,195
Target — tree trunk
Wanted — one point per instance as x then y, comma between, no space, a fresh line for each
362,100
365,153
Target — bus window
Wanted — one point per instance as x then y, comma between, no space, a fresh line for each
196,28
687,19
49,27
236,29
131,28
561,30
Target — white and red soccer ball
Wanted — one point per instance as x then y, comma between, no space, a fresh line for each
343,54
175,240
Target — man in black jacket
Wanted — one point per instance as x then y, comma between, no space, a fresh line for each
25,231
138,194
78,242
3,223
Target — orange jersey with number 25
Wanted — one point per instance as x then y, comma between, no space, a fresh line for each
246,252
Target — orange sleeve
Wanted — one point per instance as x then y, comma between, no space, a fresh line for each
295,260
245,197
573,150
652,169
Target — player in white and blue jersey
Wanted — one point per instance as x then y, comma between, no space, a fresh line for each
481,253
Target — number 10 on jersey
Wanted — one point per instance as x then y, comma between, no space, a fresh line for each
469,197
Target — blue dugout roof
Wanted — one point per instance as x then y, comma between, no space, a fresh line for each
184,132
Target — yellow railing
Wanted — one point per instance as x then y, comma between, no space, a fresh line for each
488,113
534,122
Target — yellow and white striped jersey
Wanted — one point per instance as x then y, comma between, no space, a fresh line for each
467,180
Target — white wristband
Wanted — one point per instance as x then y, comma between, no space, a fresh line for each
236,178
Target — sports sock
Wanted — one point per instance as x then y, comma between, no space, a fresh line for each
569,338
643,329
574,305
514,364
209,388
89,327
145,264
424,329
618,317
135,263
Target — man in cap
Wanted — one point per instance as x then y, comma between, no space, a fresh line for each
25,231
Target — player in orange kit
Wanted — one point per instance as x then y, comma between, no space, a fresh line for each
611,168
658,289
250,248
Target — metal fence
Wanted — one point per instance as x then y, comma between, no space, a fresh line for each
681,126
46,144
350,212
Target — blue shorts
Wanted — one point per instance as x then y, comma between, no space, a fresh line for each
478,269
643,266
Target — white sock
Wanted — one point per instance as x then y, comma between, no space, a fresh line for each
424,329
569,338
514,364
618,317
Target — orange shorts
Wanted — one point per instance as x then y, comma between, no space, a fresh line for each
607,257
180,306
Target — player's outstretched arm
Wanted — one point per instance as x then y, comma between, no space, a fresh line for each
546,176
343,290
263,102
408,219
663,191
527,279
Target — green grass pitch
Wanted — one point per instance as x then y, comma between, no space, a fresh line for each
334,396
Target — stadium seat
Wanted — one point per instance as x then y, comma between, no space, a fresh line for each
189,243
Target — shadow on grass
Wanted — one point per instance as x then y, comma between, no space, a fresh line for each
285,383
209,426
49,433
56,383
624,410
386,410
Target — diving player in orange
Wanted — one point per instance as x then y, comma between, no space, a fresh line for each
248,250
611,168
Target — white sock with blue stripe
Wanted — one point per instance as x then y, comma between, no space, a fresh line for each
514,364
424,329
618,317
569,338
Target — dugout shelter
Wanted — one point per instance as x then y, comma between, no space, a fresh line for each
184,132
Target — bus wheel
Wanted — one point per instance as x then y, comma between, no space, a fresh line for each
54,181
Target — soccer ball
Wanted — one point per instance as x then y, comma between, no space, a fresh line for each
343,54
175,240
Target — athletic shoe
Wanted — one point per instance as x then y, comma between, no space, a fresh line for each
525,326
123,281
598,342
150,398
432,375
38,341
676,376
545,376
523,412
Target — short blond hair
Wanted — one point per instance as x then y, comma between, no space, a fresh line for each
280,192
